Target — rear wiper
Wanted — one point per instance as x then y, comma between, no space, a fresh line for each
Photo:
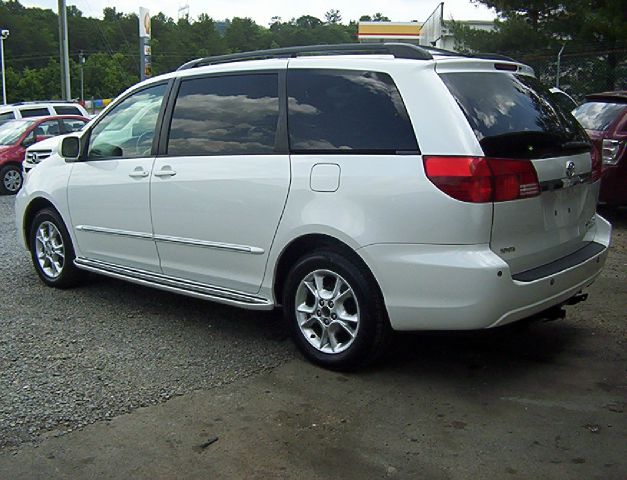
576,145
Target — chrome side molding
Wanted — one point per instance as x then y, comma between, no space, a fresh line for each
231,247
113,231
175,284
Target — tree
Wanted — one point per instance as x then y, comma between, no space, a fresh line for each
379,17
333,17
596,35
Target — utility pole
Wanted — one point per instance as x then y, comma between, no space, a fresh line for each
64,52
4,34
81,62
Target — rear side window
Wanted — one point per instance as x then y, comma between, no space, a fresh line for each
226,115
598,115
514,116
34,112
6,116
72,124
67,110
331,111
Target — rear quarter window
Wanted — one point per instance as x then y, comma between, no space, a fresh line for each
67,110
336,111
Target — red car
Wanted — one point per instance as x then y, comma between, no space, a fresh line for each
17,135
604,116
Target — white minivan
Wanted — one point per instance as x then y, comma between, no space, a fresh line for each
361,188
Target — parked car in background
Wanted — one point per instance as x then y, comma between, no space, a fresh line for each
38,152
604,116
361,188
17,135
40,109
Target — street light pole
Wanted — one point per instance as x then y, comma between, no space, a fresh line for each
4,34
81,61
559,62
64,52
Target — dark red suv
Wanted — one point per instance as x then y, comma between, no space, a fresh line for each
17,135
604,116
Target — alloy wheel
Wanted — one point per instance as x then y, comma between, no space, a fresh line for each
49,249
327,311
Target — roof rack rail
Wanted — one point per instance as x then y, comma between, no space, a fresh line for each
35,102
398,50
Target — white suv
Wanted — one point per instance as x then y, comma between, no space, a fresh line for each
363,188
41,109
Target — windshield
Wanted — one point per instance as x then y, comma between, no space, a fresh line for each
10,132
514,116
598,115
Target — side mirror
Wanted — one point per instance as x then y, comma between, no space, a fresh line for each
71,148
28,141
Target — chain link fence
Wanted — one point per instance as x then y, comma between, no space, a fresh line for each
581,73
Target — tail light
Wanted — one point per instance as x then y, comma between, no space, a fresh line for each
597,164
609,151
482,179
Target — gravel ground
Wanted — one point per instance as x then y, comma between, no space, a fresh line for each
71,358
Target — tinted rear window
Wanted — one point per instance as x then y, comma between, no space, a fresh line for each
514,116
598,115
34,112
346,112
67,110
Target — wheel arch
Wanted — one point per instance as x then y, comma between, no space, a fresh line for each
303,244
36,205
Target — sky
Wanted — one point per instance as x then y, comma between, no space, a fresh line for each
263,10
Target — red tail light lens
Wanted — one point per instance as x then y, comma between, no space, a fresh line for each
597,164
482,179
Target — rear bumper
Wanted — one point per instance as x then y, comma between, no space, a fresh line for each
461,287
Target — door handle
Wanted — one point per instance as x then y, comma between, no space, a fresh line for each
165,172
138,173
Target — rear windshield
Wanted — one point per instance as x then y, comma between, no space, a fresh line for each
598,115
514,116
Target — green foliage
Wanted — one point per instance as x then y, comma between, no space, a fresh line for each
533,31
111,45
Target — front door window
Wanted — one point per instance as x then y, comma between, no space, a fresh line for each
128,130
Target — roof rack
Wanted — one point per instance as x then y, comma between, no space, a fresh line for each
35,102
398,50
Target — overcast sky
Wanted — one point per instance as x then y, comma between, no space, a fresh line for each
263,10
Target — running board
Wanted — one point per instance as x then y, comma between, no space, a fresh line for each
175,285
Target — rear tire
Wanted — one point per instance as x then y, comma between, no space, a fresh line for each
335,311
11,179
51,250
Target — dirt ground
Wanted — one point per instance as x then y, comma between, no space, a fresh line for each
545,400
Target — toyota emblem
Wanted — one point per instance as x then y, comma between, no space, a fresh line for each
570,169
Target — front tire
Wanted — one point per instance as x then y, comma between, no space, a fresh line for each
51,250
335,311
10,179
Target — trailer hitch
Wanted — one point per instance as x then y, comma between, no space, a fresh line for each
575,299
